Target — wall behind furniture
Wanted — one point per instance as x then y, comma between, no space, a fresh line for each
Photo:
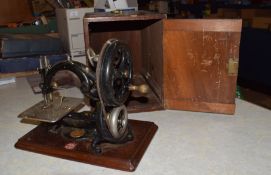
14,11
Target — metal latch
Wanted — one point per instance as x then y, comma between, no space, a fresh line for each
233,67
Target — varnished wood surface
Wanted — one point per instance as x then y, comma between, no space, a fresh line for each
152,56
190,71
99,27
195,66
124,16
206,25
124,157
15,11
201,106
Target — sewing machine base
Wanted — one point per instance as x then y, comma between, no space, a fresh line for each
124,157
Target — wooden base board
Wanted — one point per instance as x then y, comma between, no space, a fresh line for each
124,157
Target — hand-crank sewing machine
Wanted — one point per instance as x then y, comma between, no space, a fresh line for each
106,82
168,55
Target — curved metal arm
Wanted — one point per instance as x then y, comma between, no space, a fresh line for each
86,77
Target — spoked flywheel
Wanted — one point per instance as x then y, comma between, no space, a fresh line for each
114,72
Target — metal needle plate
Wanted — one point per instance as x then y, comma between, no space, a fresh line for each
57,109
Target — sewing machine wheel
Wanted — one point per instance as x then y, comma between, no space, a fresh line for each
117,121
114,72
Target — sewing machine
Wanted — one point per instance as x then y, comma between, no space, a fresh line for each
106,82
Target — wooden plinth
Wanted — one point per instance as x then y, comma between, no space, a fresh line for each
124,157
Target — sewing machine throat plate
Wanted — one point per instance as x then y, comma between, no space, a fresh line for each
56,110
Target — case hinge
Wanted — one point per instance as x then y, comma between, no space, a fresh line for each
233,67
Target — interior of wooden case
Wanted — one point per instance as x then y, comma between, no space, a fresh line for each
144,39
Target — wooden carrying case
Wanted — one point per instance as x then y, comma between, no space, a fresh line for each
190,64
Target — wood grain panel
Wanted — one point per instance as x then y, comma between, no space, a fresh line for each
14,11
128,32
124,16
201,106
195,67
211,25
189,70
152,56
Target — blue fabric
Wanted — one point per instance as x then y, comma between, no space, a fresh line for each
23,64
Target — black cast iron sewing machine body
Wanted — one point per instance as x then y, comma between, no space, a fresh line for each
106,82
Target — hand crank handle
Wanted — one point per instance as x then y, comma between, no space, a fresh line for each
143,88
